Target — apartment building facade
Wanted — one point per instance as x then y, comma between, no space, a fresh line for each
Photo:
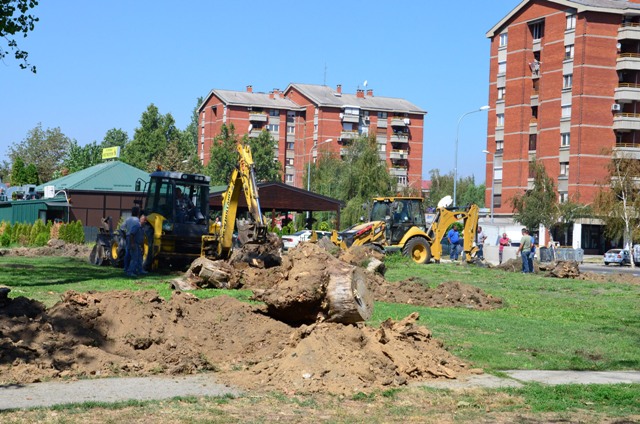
306,120
564,91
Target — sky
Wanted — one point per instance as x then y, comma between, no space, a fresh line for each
100,64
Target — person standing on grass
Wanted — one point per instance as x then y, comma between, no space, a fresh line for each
480,239
454,239
504,241
532,254
524,250
126,227
136,241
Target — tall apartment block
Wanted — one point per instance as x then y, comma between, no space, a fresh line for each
306,120
564,88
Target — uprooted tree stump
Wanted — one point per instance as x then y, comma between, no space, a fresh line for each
565,269
315,286
205,273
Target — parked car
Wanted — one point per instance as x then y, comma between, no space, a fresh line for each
290,241
636,254
617,256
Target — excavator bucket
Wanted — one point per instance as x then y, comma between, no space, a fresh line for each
251,232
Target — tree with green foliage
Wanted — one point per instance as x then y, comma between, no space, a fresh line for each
46,149
170,159
617,202
18,172
115,137
263,153
80,158
467,192
223,156
355,179
190,134
153,136
15,20
538,205
568,213
31,174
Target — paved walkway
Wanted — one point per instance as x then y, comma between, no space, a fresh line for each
154,388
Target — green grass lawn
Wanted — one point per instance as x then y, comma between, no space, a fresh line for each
545,323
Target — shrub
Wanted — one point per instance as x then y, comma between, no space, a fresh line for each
41,239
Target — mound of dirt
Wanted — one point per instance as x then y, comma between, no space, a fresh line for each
139,333
55,247
450,294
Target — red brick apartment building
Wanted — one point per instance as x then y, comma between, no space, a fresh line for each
307,119
564,85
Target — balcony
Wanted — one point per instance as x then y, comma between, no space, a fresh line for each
399,155
629,31
400,122
628,61
398,171
629,150
254,133
626,122
627,92
348,117
258,117
399,138
348,135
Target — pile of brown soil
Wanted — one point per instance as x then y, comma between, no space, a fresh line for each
55,247
450,294
139,333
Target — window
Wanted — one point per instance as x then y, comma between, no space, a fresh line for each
565,139
571,22
533,140
274,128
497,173
566,111
564,169
291,129
203,118
534,112
402,180
382,115
499,146
290,145
568,52
567,81
502,67
532,170
500,120
563,197
501,93
289,161
351,111
503,39
288,178
497,200
537,30
274,112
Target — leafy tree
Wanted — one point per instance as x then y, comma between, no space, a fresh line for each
80,158
171,159
263,152
356,179
5,171
153,136
467,192
224,156
618,200
115,137
190,134
568,213
31,174
46,149
18,172
538,205
15,20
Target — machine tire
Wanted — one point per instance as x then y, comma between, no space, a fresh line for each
418,249
116,254
375,247
96,257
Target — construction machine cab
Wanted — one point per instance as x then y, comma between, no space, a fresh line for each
399,215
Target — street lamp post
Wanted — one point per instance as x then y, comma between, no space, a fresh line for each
493,178
455,166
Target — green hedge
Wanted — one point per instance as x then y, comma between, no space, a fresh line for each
39,233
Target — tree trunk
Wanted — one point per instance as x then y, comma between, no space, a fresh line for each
347,299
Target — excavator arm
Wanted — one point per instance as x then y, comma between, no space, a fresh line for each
443,220
242,180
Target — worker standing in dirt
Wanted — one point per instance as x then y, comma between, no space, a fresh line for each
126,227
480,239
524,250
504,241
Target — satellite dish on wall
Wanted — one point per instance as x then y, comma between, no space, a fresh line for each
445,202
365,83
